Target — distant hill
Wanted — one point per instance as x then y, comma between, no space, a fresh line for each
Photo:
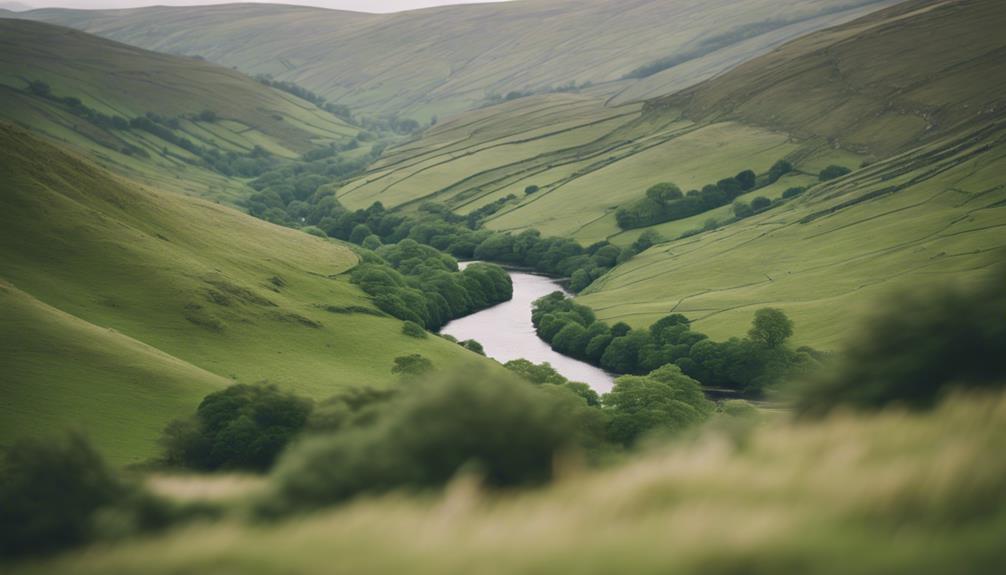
124,305
446,60
914,93
85,90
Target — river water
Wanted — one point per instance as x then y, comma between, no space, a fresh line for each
506,332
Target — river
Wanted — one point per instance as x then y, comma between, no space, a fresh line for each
506,332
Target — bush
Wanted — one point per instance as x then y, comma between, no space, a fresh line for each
792,193
241,427
833,172
207,116
918,348
413,365
507,431
760,204
531,190
413,329
665,401
50,493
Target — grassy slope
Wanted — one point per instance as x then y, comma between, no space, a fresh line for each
117,79
446,60
229,296
891,493
819,100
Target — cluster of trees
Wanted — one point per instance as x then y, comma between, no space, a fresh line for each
247,165
833,172
303,93
422,285
666,202
436,226
743,365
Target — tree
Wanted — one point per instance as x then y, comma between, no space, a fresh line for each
665,401
241,427
792,192
778,170
664,193
742,210
207,116
760,204
359,233
532,189
413,365
771,327
413,329
833,172
580,280
747,178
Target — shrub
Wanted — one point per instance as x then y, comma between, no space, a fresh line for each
412,365
792,193
473,346
833,172
531,190
742,210
504,429
760,204
207,116
918,348
413,329
50,493
241,427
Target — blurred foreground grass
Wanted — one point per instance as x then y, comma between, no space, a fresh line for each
890,492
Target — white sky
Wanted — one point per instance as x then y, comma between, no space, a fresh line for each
357,5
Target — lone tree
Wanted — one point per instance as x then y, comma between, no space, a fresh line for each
412,365
771,327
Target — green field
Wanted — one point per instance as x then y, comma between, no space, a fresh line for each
444,61
888,493
926,121
128,302
119,80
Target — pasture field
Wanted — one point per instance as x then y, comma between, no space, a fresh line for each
188,295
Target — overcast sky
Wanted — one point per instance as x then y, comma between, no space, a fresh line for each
358,5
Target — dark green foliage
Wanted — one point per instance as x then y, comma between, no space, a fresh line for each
50,493
413,365
778,170
918,348
40,88
473,346
792,193
747,366
665,401
413,329
351,408
531,190
665,202
833,172
771,327
507,431
760,204
545,374
742,210
241,427
207,116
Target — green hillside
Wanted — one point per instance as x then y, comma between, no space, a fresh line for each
818,101
89,99
128,302
443,61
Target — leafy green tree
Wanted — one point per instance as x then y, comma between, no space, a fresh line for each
413,329
771,327
760,204
360,233
531,190
241,427
571,340
747,179
833,172
778,170
742,210
665,401
473,346
580,280
664,193
792,193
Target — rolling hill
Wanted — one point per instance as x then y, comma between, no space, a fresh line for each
125,305
443,61
816,101
89,100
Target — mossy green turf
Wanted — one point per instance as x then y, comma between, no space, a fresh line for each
820,100
444,61
180,295
119,80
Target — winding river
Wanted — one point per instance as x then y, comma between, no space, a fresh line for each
506,332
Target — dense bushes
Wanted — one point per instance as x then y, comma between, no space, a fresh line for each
50,493
746,366
505,430
833,172
666,202
417,283
920,347
241,427
665,401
